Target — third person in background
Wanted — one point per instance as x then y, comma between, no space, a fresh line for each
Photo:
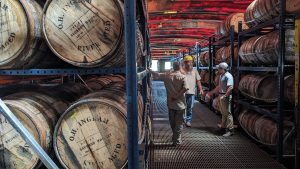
224,89
192,78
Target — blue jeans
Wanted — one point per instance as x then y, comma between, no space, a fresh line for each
190,100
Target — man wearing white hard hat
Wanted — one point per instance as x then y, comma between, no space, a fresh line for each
224,89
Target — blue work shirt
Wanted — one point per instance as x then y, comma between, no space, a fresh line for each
226,80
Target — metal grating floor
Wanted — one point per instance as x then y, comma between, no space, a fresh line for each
202,146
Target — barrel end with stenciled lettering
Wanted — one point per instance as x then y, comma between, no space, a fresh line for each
92,133
85,33
21,42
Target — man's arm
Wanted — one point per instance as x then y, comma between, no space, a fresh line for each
214,91
198,81
200,87
156,75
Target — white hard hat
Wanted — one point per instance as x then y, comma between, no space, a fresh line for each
222,65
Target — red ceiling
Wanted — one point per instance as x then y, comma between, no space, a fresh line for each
178,24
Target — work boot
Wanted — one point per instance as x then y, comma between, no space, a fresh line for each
229,132
188,124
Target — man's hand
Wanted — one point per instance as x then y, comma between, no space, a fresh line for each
201,92
208,96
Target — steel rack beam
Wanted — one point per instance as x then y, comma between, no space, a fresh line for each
258,69
297,92
142,75
31,72
203,68
131,83
250,31
259,109
26,135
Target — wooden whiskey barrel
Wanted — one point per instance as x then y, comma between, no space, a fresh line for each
260,11
217,79
266,130
264,50
226,55
21,43
259,87
248,119
85,33
204,74
293,6
204,59
39,119
92,133
219,53
234,20
289,88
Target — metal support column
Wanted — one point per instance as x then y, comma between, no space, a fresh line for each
280,73
26,135
210,67
232,67
131,83
198,50
240,39
297,90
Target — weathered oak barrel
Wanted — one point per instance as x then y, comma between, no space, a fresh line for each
219,53
87,33
264,50
39,117
266,130
263,10
259,87
204,59
21,43
92,133
247,119
289,88
234,20
226,55
204,76
97,83
262,87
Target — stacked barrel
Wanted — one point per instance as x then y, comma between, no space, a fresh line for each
231,20
264,50
84,122
81,33
263,128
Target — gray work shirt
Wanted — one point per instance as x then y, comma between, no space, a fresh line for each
174,82
226,80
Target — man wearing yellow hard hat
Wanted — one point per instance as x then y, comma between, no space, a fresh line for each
192,78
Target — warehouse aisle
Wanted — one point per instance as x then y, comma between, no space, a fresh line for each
202,147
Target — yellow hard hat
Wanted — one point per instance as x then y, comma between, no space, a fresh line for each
188,58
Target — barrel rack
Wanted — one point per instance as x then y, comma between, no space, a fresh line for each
283,22
213,44
280,70
137,149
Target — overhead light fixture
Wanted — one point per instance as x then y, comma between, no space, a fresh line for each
170,12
